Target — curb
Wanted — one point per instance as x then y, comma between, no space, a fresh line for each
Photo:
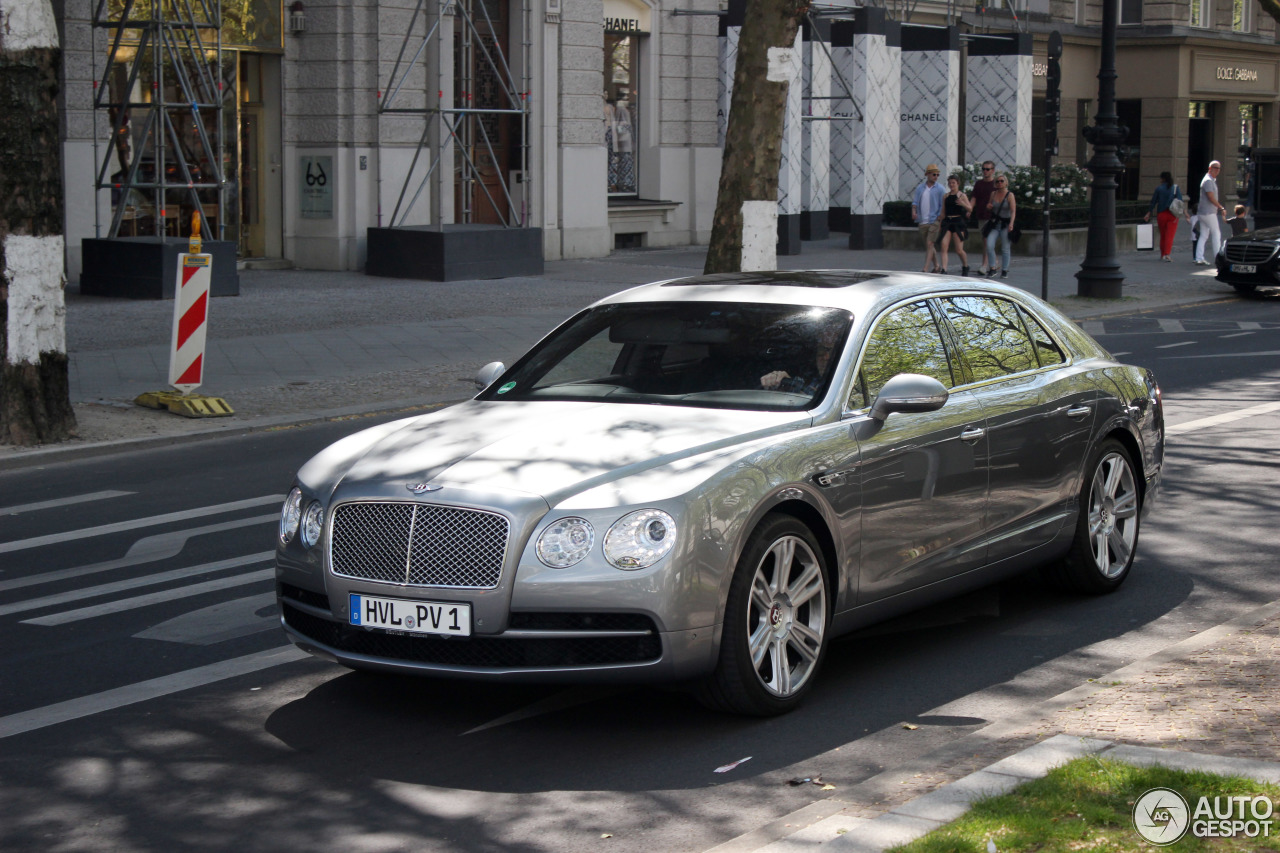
937,808
16,459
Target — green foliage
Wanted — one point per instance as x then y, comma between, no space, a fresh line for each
1069,183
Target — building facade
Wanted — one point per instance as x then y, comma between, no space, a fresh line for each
600,122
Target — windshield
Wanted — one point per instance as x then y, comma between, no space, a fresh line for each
712,354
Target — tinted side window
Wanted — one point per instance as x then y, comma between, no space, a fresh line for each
991,334
906,340
1049,352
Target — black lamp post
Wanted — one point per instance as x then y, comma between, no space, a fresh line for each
1099,274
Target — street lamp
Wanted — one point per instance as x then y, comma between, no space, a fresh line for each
1099,274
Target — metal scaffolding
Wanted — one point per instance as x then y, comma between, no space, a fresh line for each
163,70
463,123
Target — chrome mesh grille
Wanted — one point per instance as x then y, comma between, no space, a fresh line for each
418,544
1249,252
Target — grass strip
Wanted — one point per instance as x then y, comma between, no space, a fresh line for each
1087,805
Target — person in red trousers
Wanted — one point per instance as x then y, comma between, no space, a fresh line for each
1166,220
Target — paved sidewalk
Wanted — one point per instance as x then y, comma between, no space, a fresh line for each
301,345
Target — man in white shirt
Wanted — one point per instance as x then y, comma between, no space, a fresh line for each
926,211
1207,212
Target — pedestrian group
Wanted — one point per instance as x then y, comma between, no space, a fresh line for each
942,217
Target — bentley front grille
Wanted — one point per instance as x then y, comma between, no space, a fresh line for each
418,544
1249,252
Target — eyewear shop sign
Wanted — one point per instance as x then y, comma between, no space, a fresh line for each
315,188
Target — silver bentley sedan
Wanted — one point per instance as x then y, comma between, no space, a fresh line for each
705,480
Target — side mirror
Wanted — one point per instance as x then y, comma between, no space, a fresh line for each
488,373
908,392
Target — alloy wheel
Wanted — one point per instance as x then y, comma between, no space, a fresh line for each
786,616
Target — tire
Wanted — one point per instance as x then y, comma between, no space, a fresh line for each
1106,538
776,626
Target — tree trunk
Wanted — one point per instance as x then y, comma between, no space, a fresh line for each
753,138
35,405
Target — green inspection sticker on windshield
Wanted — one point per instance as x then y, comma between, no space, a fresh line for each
505,388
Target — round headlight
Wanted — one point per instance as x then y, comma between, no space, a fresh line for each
312,524
291,515
639,540
566,542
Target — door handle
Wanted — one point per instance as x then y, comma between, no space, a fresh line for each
1079,411
972,434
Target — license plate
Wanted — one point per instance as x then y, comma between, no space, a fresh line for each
417,617
1244,268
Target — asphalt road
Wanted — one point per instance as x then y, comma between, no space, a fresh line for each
148,702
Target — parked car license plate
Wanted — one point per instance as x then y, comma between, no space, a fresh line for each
418,617
1244,268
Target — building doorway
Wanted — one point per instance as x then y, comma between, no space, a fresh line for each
487,141
1199,146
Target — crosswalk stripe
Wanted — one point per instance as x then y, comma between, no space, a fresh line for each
131,583
53,504
119,697
52,538
1170,325
159,547
1224,418
137,601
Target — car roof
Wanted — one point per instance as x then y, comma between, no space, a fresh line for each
859,291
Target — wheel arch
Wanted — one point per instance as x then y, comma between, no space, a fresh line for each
810,517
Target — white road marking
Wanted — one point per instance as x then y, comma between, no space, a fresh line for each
162,546
1179,344
1249,324
1236,335
75,499
1118,354
67,536
1231,354
119,697
557,702
132,583
147,600
225,620
1094,327
1170,325
1224,418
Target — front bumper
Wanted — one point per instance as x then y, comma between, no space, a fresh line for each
536,647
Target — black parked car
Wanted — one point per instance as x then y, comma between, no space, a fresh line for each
1251,260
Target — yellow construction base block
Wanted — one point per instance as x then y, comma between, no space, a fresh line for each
187,405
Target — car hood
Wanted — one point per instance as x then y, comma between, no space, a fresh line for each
550,449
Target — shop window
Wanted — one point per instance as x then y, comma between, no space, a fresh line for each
1241,20
1131,11
1129,113
621,111
1200,13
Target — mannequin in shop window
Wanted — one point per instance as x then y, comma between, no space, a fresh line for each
618,139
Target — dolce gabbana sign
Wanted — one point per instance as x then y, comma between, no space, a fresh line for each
1234,75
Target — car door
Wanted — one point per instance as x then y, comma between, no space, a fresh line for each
922,476
1039,415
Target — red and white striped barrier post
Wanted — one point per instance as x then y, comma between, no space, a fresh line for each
190,314
186,350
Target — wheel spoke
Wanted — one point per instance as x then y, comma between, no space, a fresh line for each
758,643
784,552
1101,553
1127,505
807,585
1115,469
806,640
781,672
761,597
1121,547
